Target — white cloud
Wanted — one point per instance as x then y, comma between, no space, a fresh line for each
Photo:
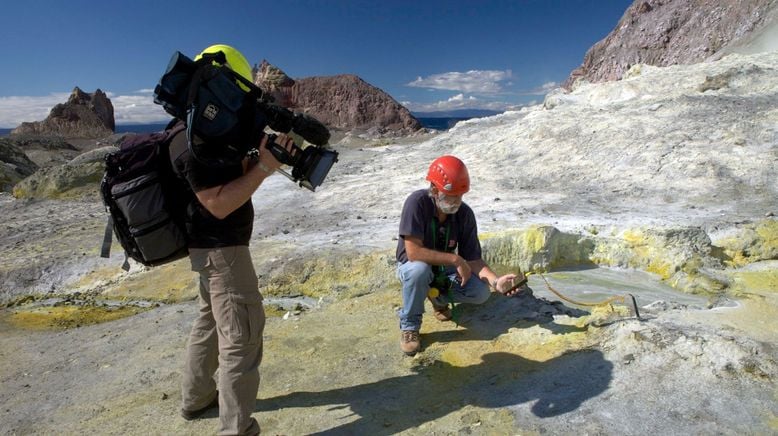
16,109
548,86
459,101
474,81
542,89
460,98
138,108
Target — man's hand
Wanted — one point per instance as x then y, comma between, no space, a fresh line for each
266,158
463,269
222,200
416,251
506,285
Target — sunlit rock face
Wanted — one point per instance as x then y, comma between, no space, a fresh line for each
663,33
84,115
343,102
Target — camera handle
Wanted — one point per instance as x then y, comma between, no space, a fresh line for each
279,152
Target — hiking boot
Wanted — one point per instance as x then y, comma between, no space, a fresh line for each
442,313
194,414
409,342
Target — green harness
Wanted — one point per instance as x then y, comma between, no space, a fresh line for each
440,280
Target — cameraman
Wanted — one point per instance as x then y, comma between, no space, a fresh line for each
228,331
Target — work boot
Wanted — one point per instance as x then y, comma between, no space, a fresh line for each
409,342
190,415
442,313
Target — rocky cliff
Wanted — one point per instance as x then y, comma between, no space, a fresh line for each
84,115
343,102
671,32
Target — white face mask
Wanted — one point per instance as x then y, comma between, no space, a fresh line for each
448,204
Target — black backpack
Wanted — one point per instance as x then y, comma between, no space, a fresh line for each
145,199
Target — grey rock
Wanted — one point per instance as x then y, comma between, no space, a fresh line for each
62,182
84,115
96,155
14,165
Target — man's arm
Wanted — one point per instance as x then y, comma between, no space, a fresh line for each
417,252
501,284
222,200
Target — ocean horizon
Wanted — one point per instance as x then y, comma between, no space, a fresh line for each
124,128
442,123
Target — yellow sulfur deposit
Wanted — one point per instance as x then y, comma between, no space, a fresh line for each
66,317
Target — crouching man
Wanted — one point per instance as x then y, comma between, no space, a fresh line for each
438,246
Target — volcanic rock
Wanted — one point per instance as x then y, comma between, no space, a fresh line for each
343,102
663,33
45,151
77,178
84,115
14,164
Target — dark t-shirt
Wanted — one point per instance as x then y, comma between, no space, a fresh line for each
205,230
419,219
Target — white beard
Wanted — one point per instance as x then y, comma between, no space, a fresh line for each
447,208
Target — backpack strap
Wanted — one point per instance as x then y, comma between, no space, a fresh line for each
105,250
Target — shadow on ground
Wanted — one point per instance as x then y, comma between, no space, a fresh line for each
499,314
392,405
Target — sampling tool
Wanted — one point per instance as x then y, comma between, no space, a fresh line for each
623,299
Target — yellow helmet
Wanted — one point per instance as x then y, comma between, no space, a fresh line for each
235,60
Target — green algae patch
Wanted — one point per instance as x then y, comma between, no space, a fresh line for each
67,317
537,248
342,276
751,243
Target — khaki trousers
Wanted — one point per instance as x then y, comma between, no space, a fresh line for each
226,335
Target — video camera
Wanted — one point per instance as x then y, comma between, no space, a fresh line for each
226,116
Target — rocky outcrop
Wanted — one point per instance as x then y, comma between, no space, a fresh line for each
670,32
343,102
14,165
45,151
78,178
84,115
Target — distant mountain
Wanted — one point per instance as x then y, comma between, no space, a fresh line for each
458,113
84,115
343,102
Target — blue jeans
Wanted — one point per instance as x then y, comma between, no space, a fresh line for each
416,277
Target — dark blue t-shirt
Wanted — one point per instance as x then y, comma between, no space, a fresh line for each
419,219
205,230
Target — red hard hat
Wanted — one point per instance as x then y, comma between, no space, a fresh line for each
449,175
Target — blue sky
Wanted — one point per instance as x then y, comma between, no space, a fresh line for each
428,55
